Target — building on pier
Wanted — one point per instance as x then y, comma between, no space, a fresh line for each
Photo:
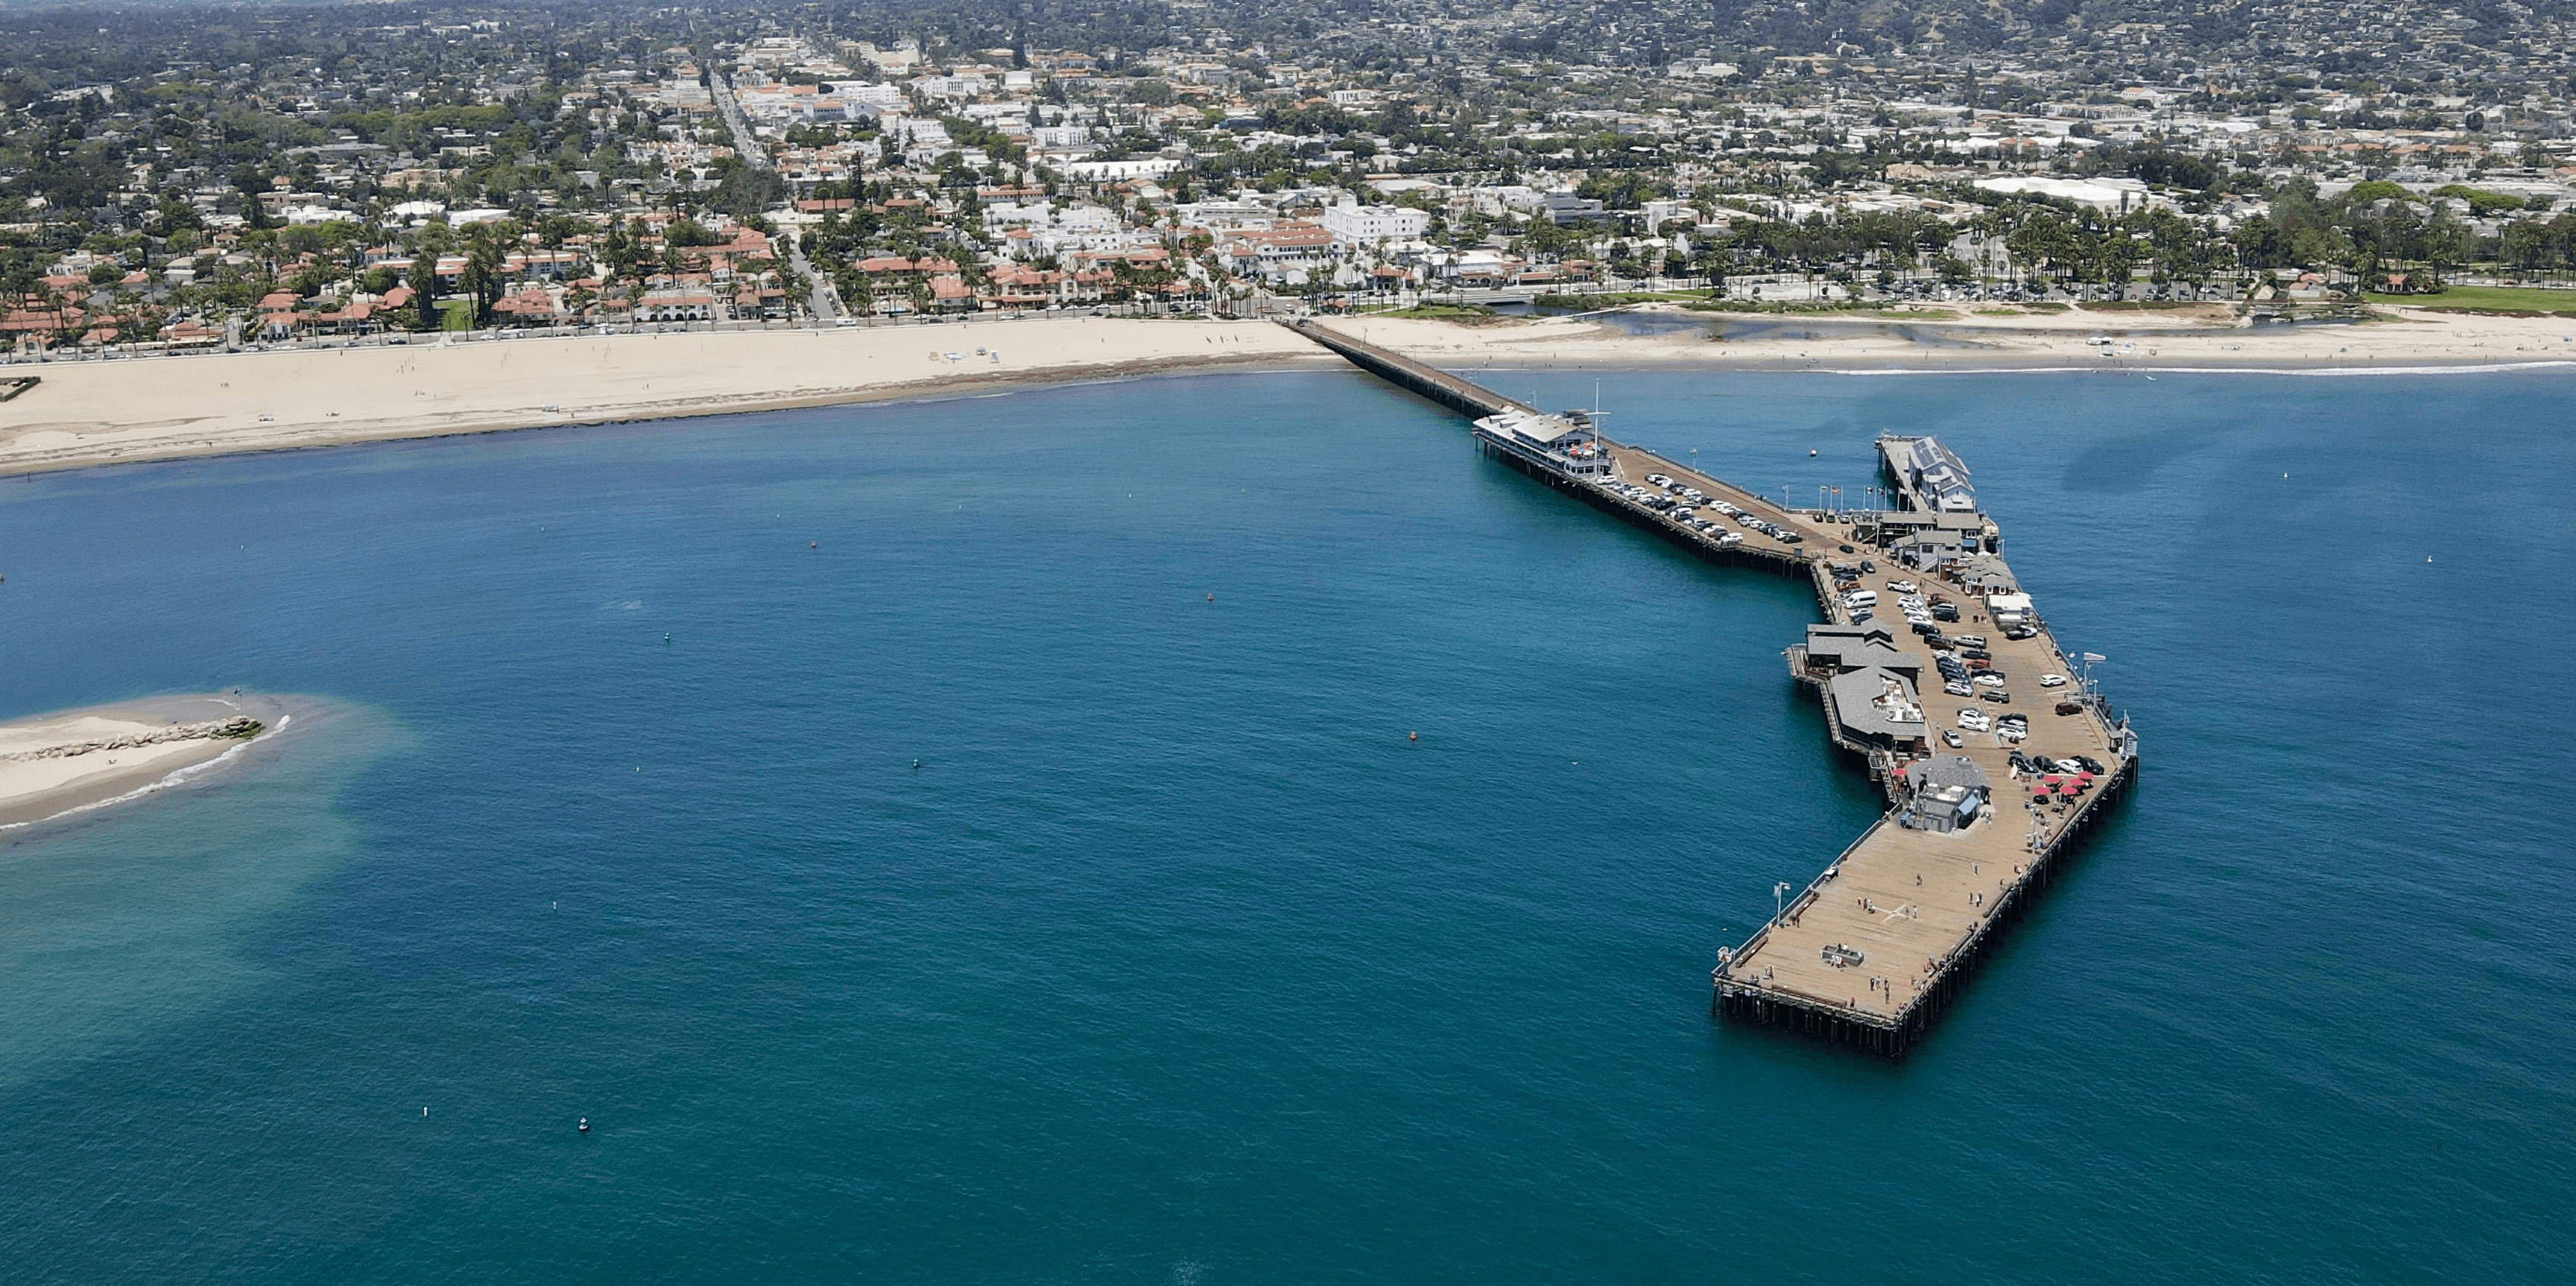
1566,445
1928,475
1833,648
1870,684
1879,708
1924,539
1949,792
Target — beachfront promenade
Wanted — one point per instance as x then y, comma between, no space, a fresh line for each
1875,947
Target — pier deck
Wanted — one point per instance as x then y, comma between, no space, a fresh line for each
1874,947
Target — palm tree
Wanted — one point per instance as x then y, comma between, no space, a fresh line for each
482,277
423,280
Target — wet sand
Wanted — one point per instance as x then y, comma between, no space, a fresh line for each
35,787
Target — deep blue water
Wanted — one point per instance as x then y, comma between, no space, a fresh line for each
1175,960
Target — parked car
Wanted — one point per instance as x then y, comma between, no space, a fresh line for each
2052,680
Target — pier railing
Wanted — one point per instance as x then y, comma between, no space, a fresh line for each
1468,399
1788,913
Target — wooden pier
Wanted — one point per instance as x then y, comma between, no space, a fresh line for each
1878,944
1463,396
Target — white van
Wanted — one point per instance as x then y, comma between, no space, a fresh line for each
1861,598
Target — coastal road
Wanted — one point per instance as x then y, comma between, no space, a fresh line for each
818,293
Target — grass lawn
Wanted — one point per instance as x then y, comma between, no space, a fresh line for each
2509,300
456,314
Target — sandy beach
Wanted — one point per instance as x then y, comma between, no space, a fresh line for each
2206,338
60,763
119,412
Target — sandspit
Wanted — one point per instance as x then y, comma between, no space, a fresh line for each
57,764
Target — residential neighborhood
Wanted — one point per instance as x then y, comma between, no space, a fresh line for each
232,177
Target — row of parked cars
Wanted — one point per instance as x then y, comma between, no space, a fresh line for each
2042,765
2010,727
1683,504
1924,613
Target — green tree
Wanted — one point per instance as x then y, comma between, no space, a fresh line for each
481,280
423,281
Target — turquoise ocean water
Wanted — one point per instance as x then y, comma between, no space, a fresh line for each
1174,960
